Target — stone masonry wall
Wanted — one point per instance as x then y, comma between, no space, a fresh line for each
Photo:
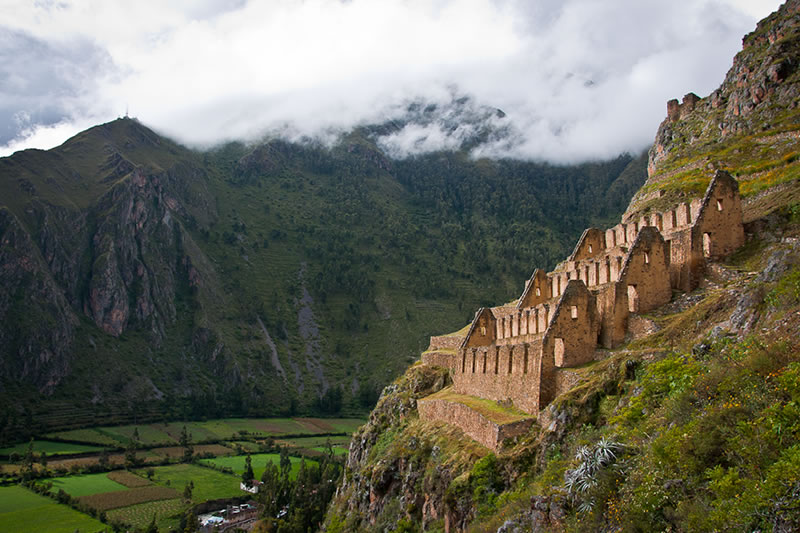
471,422
501,373
518,353
442,359
449,342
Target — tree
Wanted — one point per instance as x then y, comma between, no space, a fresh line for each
187,490
27,462
135,436
152,527
130,456
286,463
188,522
186,441
103,461
248,474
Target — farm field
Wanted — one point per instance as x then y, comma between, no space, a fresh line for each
337,450
23,511
105,501
313,442
246,445
208,484
50,448
177,451
212,430
86,484
90,435
259,462
167,513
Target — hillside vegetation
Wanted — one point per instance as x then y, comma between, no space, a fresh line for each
693,423
144,281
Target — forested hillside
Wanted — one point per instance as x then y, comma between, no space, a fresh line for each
146,280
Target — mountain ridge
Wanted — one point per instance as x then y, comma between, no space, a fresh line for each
177,267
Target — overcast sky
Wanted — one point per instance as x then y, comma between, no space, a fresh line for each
577,79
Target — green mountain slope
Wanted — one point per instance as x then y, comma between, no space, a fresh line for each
693,423
143,279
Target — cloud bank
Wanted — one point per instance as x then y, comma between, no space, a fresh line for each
576,79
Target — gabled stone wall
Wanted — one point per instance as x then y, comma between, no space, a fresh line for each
515,353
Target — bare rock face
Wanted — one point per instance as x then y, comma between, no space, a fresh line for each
38,322
136,248
762,84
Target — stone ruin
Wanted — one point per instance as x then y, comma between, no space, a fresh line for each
517,354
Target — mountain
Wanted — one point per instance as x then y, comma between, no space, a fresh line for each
691,421
143,280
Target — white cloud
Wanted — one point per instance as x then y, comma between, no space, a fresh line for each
579,79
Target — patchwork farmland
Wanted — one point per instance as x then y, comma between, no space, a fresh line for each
76,477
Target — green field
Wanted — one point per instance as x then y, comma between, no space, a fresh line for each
211,430
90,435
208,484
259,461
49,447
77,486
149,434
22,511
167,514
313,442
337,450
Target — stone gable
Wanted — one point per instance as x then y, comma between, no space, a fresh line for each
514,354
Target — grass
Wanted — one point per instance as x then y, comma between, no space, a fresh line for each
259,462
49,447
90,435
167,513
488,408
22,511
337,450
211,430
149,434
208,484
84,485
313,442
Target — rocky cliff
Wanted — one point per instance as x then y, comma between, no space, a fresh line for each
747,126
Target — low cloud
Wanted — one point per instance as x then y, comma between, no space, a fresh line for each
576,79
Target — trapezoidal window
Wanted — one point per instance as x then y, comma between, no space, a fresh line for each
525,361
573,310
483,330
646,258
558,352
590,248
633,299
538,291
719,205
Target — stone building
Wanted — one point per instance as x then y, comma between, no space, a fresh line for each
515,354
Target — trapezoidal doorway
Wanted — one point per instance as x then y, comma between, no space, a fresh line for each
633,299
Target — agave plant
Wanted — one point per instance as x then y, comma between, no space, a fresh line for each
580,480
